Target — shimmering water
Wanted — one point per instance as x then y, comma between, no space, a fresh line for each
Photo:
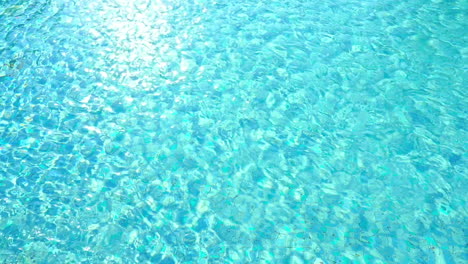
267,131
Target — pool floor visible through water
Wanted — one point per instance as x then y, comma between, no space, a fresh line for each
198,131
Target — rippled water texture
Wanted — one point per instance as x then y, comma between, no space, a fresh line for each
267,131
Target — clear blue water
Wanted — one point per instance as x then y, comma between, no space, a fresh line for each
192,131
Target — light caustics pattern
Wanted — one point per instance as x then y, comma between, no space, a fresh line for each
195,131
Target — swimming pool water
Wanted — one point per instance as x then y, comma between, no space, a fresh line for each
292,131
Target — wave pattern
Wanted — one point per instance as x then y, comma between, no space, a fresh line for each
166,131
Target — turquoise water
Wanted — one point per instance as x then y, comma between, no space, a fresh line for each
242,131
